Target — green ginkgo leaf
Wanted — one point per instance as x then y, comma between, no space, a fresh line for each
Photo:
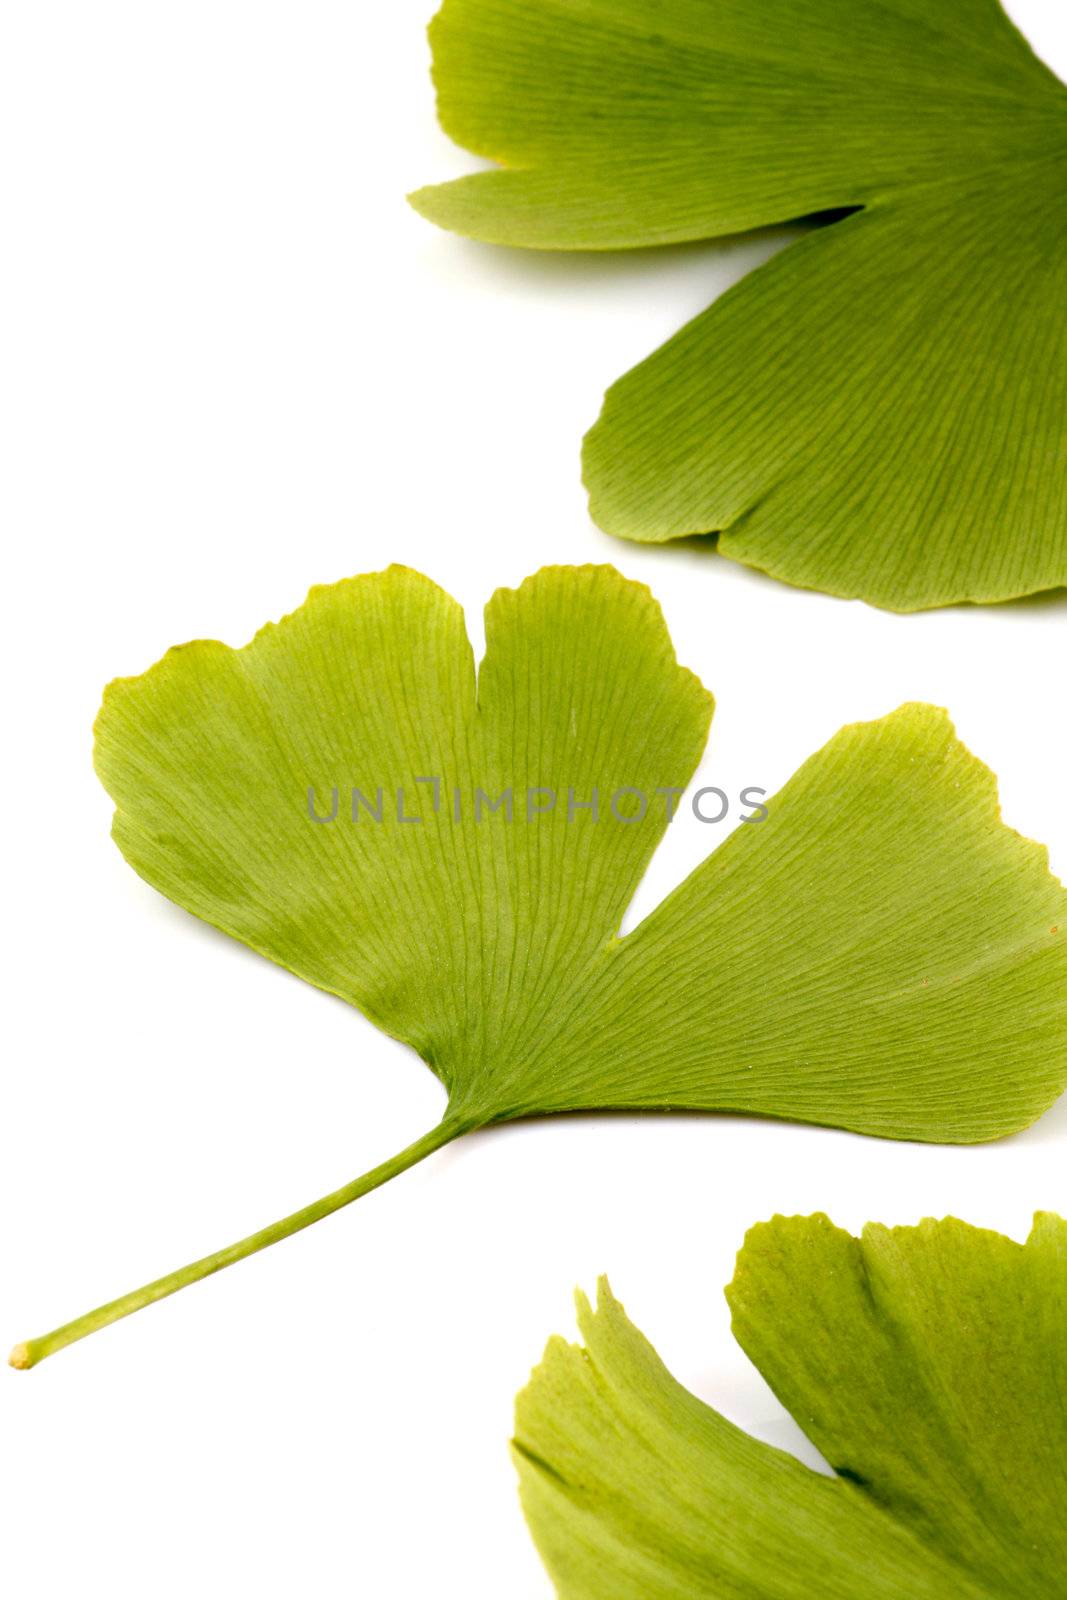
880,953
929,1366
881,411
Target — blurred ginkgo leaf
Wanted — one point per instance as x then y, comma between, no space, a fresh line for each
927,1364
881,410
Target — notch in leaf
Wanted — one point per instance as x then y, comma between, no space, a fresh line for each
926,1364
881,410
881,954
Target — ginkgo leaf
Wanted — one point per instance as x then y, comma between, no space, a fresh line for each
927,1364
880,953
881,410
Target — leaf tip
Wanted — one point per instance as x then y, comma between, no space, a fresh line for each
604,1296
417,200
583,1308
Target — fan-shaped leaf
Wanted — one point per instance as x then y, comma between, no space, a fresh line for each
880,953
881,411
927,1364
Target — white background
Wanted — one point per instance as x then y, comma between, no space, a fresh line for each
235,363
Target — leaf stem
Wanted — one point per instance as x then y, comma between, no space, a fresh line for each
35,1350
